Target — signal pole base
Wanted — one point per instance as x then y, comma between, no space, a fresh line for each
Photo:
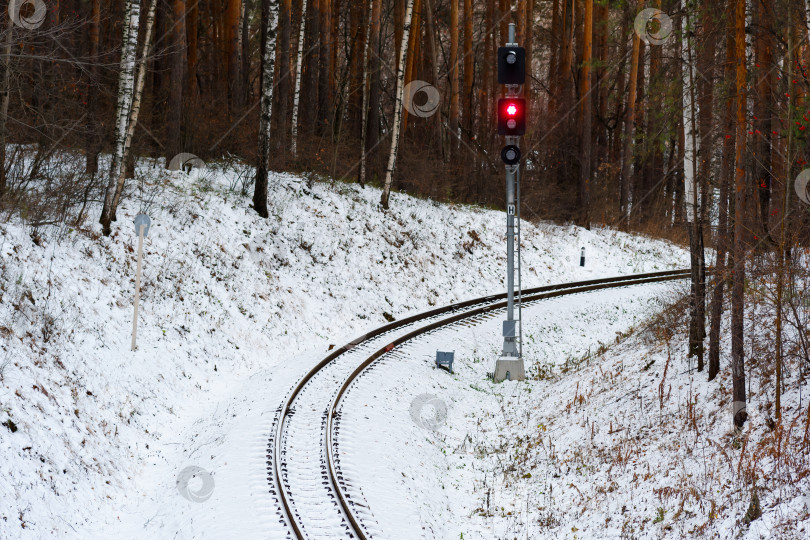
509,368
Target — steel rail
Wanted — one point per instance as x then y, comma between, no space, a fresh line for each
485,304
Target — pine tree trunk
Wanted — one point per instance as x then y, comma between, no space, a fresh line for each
705,95
392,158
585,114
244,70
324,78
281,118
726,172
312,57
614,153
413,49
737,291
177,69
487,81
375,74
601,15
564,75
504,18
434,63
232,52
334,21
629,123
126,81
679,183
783,250
160,68
453,71
469,74
270,24
5,95
763,110
691,181
652,170
354,97
191,38
528,44
555,53
94,139
365,111
399,26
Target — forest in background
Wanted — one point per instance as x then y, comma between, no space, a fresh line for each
334,86
683,119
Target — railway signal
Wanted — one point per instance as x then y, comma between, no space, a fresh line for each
511,116
512,124
510,154
511,65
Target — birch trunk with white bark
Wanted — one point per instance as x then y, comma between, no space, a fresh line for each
297,92
392,157
126,82
136,103
268,68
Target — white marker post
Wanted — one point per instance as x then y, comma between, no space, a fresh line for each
142,223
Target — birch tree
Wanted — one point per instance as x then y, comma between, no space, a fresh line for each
126,83
392,157
136,103
268,68
297,91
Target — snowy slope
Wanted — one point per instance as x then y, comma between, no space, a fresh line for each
234,309
613,436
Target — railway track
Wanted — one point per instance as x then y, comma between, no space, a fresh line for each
303,460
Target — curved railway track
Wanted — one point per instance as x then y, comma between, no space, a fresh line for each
318,504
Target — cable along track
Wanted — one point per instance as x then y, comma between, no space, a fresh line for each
303,462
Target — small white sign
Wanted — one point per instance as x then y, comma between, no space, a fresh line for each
510,210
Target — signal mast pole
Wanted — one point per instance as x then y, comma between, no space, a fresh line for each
512,124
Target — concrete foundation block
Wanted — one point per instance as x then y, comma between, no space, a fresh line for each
508,367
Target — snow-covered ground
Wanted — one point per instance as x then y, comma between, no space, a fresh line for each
96,439
615,435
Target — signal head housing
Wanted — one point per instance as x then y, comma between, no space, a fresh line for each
511,116
511,65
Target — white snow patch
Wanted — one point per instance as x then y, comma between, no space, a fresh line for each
234,309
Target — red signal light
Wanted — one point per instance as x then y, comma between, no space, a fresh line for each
511,116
